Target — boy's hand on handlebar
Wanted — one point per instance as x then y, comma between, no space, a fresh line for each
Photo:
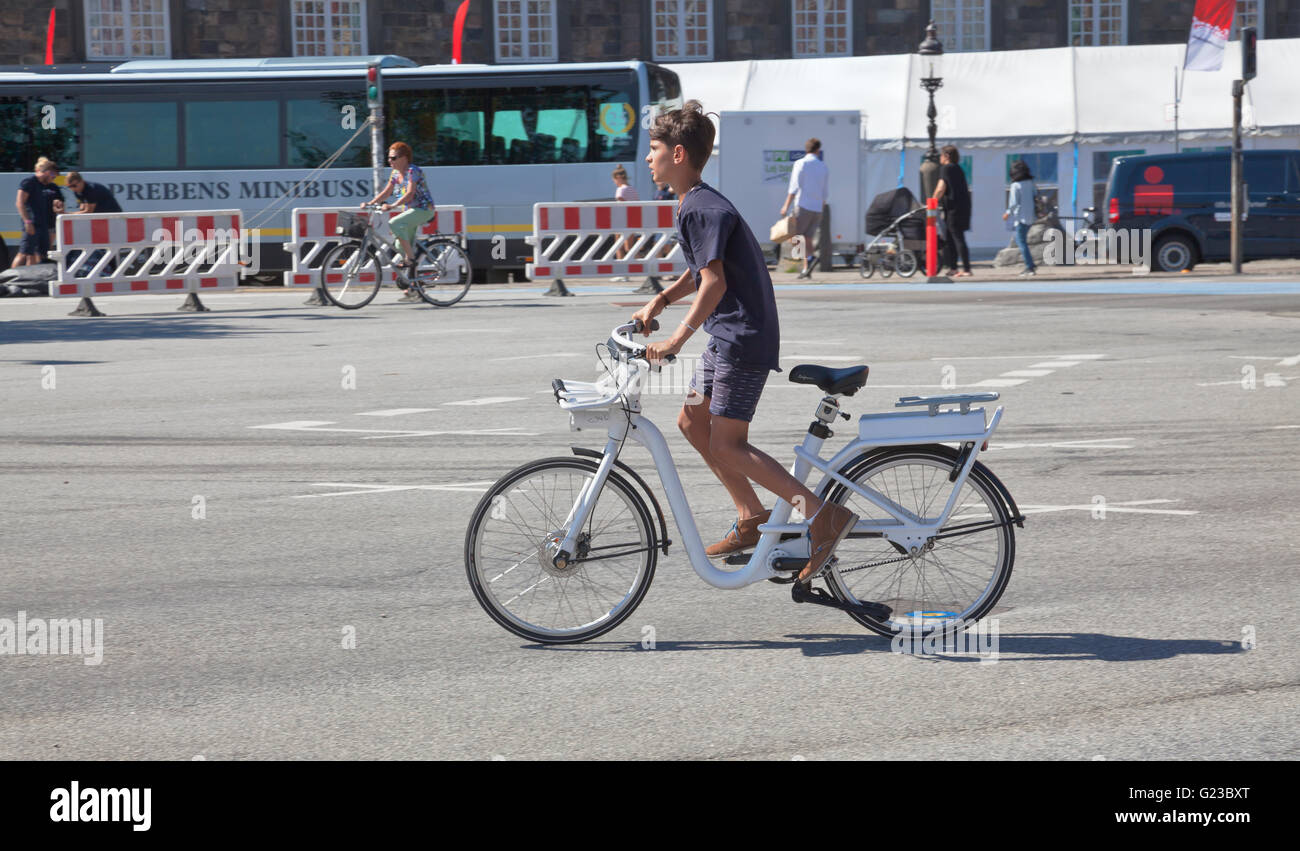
647,314
663,349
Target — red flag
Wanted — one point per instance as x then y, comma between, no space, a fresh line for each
458,32
1211,24
49,41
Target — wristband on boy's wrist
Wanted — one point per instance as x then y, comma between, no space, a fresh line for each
688,325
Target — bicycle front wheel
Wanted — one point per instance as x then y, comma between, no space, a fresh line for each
515,533
443,272
350,274
958,576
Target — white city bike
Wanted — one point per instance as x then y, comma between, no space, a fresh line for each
563,549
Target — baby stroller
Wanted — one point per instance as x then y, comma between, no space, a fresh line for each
897,222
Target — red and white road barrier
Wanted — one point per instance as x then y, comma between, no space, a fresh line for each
312,236
583,240
137,253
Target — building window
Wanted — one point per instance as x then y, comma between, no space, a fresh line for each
1094,22
963,24
683,30
525,30
329,27
1250,13
822,28
127,29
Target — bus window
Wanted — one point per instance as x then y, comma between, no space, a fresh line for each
239,133
540,125
614,116
13,135
126,135
411,117
317,126
459,127
53,120
665,90
514,124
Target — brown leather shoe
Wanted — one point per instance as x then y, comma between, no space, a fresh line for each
743,536
829,526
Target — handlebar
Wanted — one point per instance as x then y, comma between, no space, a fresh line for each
636,349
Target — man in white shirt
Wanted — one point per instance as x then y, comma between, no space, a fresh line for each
808,189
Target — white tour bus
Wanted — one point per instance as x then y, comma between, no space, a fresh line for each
223,134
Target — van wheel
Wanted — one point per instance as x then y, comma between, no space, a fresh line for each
1174,253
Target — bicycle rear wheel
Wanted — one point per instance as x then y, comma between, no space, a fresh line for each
443,272
513,537
956,578
350,274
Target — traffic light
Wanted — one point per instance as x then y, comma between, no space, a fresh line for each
374,88
1248,39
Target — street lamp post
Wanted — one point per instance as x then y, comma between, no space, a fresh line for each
931,52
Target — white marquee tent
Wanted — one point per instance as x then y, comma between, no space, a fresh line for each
1066,110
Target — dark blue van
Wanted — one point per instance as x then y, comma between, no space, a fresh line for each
1185,200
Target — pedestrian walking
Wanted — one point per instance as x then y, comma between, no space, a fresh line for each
953,194
36,207
623,191
1020,211
809,184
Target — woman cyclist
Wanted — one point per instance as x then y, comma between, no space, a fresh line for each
407,183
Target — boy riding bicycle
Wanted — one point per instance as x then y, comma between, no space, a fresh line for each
735,303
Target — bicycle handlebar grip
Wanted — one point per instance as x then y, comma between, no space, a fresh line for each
654,325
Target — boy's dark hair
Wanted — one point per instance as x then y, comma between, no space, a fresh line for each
688,127
619,172
812,146
950,151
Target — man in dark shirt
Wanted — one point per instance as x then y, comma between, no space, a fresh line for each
36,209
954,196
735,303
94,197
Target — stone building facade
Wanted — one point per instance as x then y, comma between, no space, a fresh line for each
586,30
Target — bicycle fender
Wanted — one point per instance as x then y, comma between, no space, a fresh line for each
584,452
1013,512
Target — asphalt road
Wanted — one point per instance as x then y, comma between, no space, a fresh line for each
232,564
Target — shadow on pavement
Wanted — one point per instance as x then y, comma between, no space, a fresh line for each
1024,647
131,328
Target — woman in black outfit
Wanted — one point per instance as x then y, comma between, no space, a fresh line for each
954,196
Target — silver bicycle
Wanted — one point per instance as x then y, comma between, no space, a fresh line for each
563,549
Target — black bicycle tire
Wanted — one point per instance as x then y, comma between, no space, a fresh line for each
485,505
422,246
373,256
980,474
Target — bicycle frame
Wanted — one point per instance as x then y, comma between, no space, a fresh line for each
591,406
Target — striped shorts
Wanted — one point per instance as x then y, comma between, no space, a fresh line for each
732,388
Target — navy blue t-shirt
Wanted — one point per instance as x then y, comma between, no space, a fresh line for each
99,195
743,325
38,202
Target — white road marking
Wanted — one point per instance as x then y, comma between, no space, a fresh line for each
385,433
1108,507
812,358
1287,426
488,400
1027,373
1291,361
395,412
999,382
591,354
1271,379
442,331
1094,443
1054,364
297,425
460,487
1023,357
